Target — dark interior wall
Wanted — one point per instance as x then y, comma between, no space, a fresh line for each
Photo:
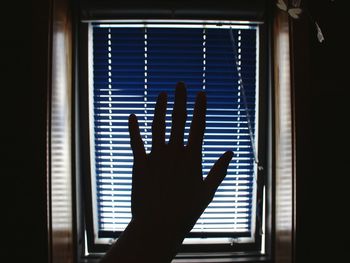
24,67
31,242
322,100
322,105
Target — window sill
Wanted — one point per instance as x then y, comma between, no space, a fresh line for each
201,258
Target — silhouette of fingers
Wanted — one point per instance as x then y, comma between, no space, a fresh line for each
217,174
158,125
179,116
136,143
195,139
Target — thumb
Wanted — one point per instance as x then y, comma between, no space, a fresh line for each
217,174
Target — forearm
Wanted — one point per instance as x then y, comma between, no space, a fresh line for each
143,244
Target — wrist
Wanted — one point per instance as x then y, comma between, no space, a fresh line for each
142,242
155,241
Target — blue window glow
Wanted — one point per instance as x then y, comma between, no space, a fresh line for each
130,67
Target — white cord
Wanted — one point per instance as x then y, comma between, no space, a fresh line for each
240,80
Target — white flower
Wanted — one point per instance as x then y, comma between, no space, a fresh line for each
293,12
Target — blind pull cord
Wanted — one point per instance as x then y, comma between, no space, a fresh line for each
240,82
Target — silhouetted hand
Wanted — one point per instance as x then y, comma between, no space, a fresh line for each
168,190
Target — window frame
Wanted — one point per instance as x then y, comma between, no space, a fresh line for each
199,250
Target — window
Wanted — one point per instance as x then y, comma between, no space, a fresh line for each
129,64
72,210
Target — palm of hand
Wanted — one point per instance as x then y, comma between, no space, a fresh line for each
171,193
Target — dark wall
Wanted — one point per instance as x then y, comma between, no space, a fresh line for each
23,125
322,106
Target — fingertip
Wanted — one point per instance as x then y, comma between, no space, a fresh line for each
132,120
229,155
163,98
163,95
181,85
217,173
202,94
132,117
181,90
136,142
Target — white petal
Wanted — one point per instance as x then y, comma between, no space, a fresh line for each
295,12
282,5
319,33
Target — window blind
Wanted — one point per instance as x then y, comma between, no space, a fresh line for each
131,66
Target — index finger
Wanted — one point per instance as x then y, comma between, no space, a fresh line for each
136,142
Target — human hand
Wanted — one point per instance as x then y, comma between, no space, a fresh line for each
169,193
168,189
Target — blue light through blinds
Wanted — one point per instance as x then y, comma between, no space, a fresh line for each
131,66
